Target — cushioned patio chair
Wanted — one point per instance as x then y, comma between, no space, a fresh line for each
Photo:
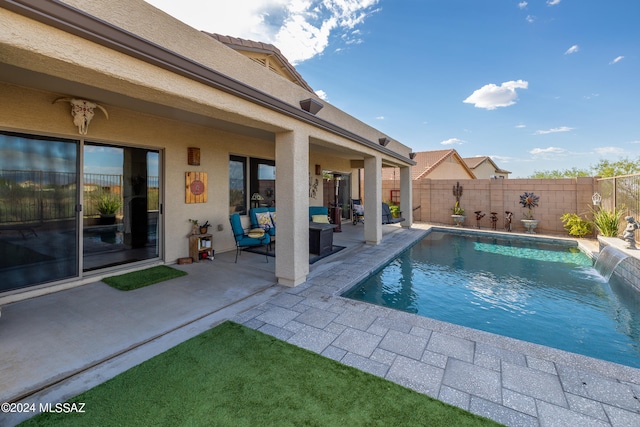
265,218
246,240
387,218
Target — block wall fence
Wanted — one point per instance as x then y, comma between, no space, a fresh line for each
433,200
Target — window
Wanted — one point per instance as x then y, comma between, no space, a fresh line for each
263,182
261,177
237,185
395,196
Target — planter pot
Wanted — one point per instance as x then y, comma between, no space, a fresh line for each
530,224
458,220
107,219
203,230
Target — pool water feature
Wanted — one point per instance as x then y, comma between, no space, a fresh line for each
548,294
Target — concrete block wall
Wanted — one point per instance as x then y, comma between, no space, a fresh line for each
557,197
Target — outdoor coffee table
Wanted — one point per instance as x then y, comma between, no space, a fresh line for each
320,238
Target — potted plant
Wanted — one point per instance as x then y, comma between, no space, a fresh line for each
529,201
458,214
204,228
107,204
195,228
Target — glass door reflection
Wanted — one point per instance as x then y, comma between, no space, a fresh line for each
121,205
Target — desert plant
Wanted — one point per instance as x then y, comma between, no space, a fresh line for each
106,202
457,210
607,222
576,225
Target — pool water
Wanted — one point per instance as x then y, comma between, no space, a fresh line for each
543,293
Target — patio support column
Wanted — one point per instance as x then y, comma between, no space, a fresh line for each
292,236
373,200
406,196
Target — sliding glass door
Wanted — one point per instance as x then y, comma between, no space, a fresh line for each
38,210
56,222
121,205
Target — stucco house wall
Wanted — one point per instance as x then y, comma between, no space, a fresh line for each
152,106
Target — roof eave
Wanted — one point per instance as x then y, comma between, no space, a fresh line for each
77,22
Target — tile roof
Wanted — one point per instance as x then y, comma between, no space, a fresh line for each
474,162
427,162
239,44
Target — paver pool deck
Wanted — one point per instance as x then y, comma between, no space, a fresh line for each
511,381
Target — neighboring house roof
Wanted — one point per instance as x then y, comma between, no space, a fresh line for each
474,162
428,161
264,54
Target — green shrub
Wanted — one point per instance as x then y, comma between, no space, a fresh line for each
607,222
575,225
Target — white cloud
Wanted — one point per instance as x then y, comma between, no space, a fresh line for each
617,59
530,19
380,118
553,130
501,159
492,96
572,49
548,150
452,141
609,150
322,95
299,28
521,126
553,2
522,4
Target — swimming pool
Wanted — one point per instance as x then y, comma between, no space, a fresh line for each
522,288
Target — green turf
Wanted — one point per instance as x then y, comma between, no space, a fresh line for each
142,278
234,376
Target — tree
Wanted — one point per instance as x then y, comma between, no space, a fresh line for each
567,173
604,169
624,166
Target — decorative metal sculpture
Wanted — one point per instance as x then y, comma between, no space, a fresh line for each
507,220
479,216
494,220
82,112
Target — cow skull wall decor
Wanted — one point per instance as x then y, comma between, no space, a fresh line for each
82,112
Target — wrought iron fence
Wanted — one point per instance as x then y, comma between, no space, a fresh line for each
38,196
622,192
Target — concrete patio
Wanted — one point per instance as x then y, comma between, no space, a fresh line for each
56,346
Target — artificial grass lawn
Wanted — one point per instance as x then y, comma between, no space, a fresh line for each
235,376
142,278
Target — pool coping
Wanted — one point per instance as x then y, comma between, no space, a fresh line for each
509,380
555,355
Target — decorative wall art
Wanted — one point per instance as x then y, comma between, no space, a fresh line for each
193,156
313,187
196,187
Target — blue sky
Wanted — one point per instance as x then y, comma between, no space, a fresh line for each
536,85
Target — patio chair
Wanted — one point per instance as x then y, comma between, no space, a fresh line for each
387,218
357,211
247,240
